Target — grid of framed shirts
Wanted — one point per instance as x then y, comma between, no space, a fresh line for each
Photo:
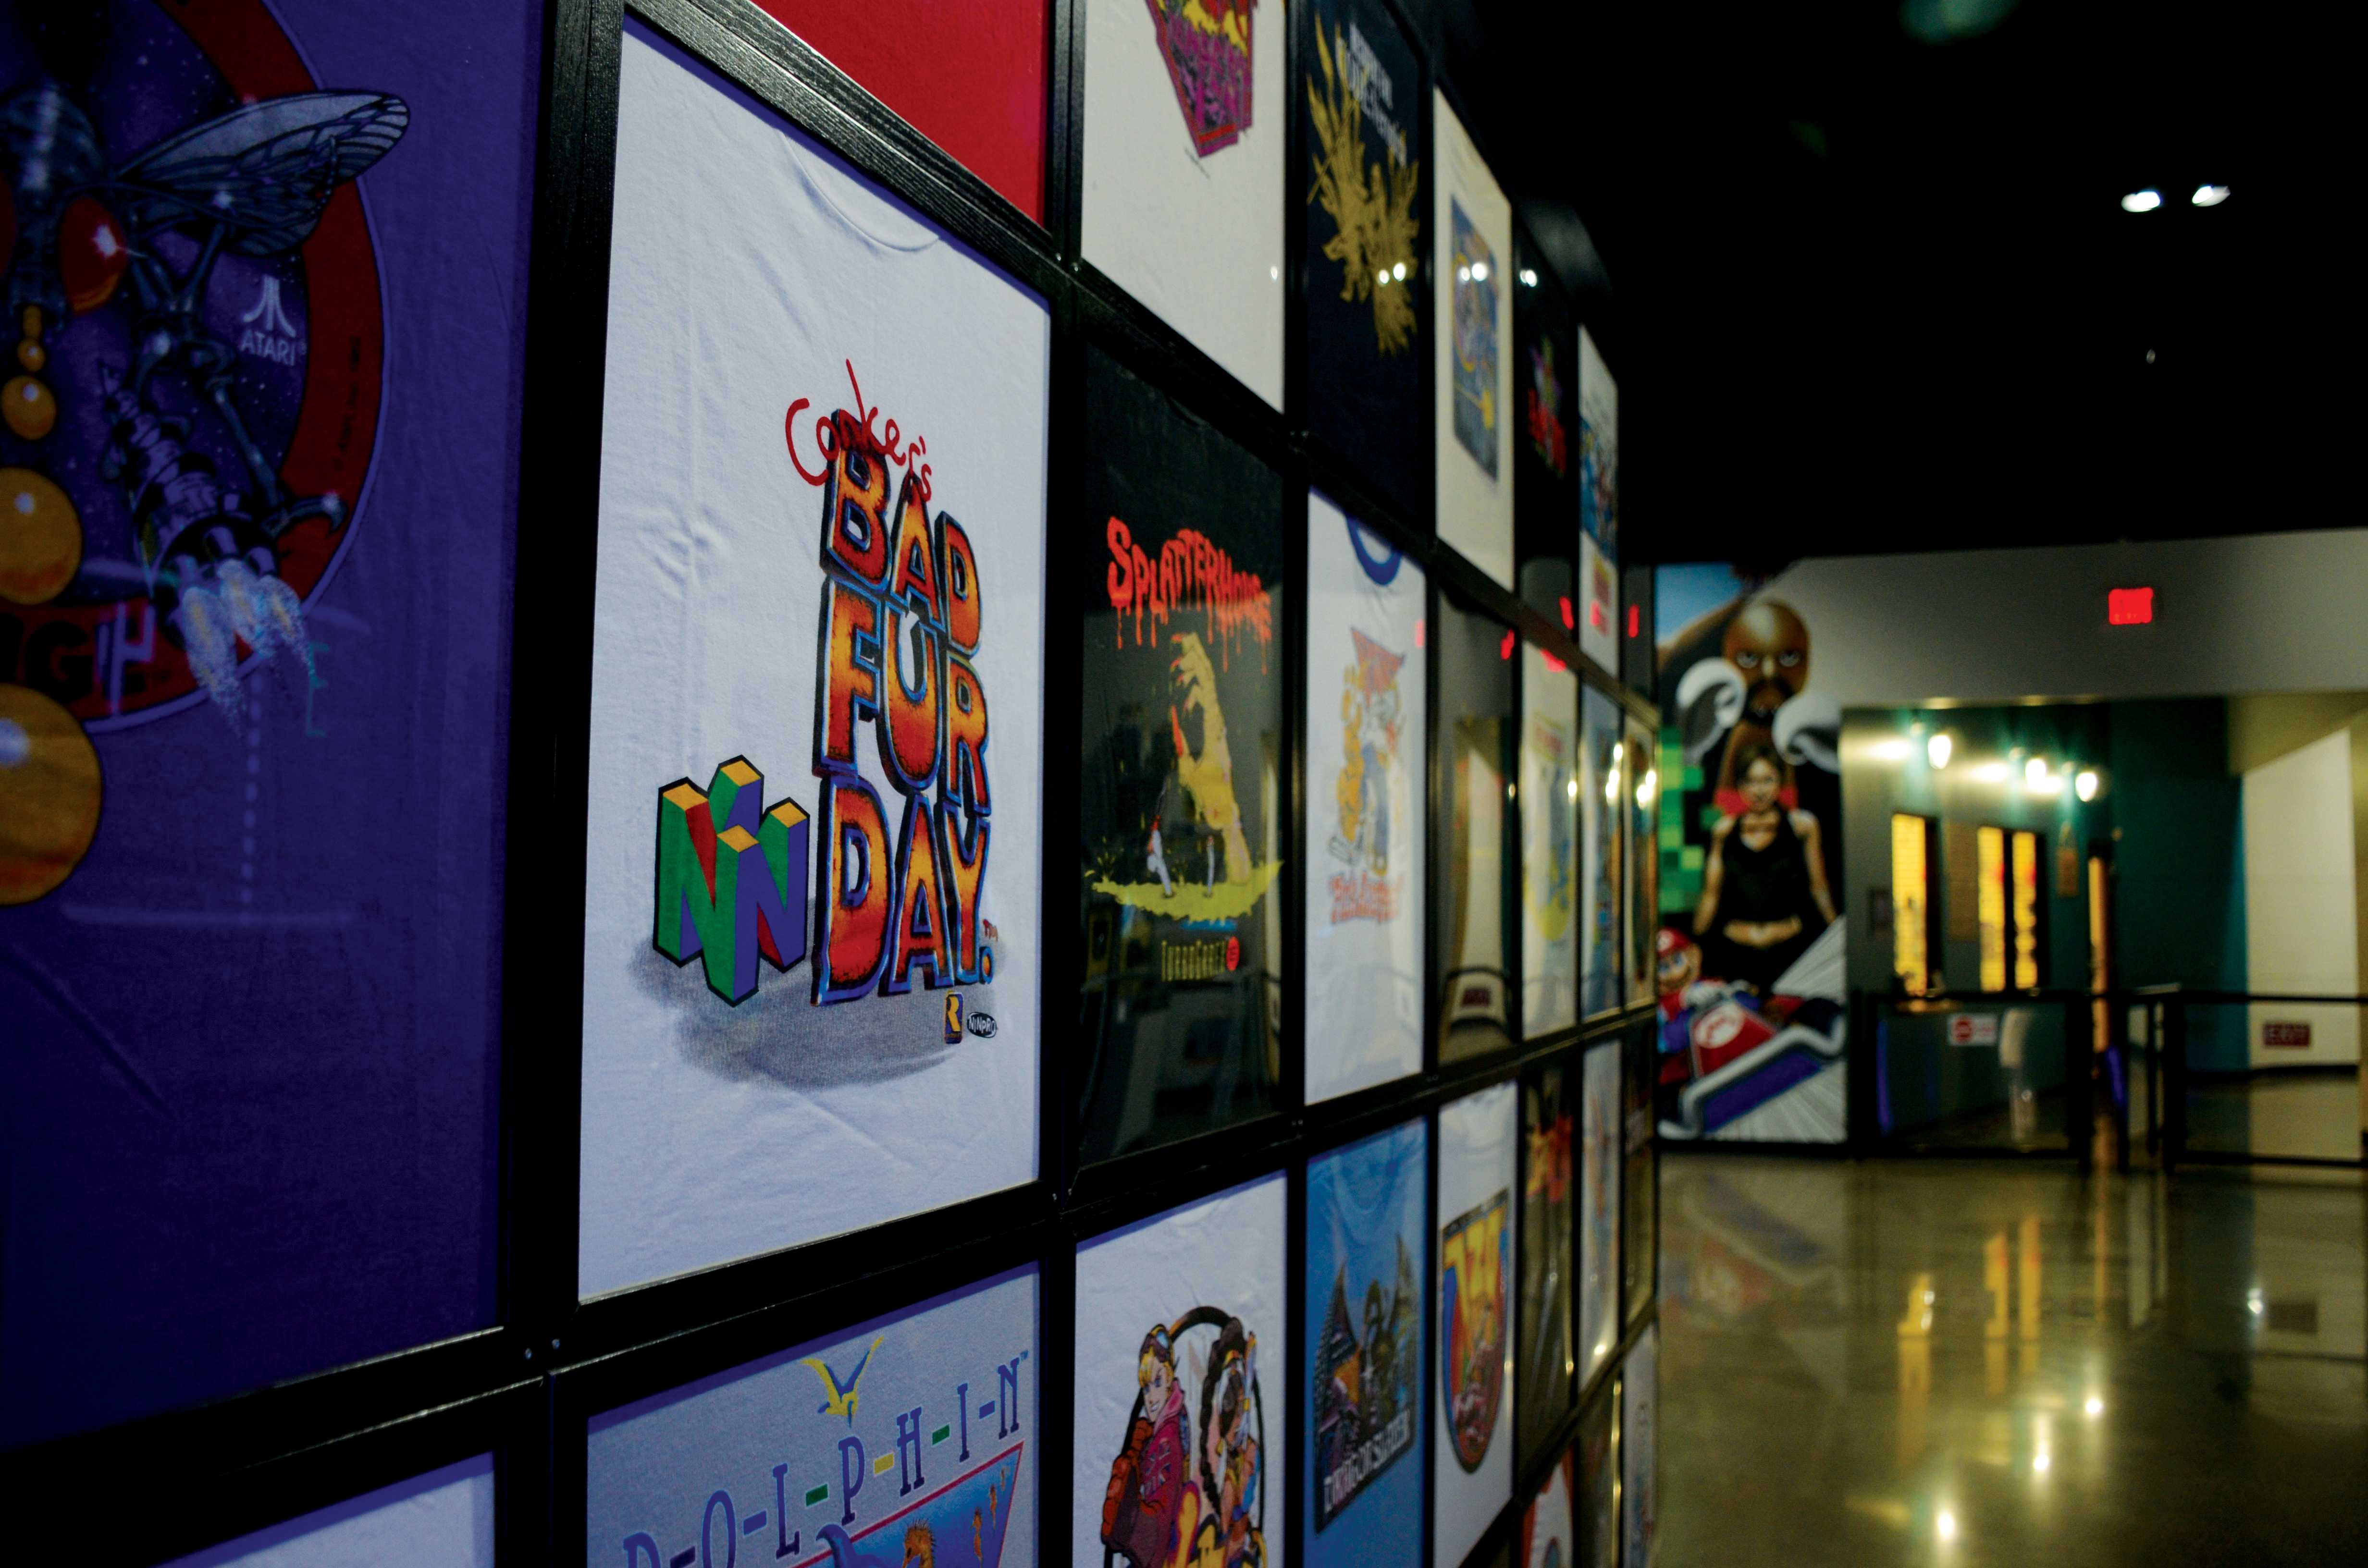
685,1115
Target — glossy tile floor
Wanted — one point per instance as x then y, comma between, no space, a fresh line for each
1970,1362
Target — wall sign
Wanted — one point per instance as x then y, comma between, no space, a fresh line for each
809,976
2293,1035
1973,1028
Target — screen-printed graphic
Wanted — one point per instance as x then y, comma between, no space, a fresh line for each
1749,954
1180,1320
1598,449
1365,1224
1206,44
198,335
1473,1249
1376,237
1476,329
1180,818
908,1440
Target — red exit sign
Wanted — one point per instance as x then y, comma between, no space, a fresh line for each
2129,606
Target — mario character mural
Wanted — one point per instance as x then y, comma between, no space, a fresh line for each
1750,953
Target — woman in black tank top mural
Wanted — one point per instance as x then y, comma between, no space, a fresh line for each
1764,897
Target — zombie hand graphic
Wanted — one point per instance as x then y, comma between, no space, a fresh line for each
1208,773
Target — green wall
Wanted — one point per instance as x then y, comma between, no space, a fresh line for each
2180,862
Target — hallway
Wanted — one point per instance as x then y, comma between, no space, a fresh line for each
1986,1362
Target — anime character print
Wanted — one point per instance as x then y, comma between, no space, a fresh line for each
1471,1258
1173,1501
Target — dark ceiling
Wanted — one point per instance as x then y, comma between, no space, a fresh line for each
1870,285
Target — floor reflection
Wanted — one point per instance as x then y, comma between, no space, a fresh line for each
1972,1362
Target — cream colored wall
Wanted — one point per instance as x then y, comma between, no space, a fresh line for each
2302,913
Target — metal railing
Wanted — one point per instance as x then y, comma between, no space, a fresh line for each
1976,1073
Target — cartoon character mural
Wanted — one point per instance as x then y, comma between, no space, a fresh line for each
194,295
1748,960
1171,1503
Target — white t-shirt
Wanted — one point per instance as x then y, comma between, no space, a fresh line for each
1215,1259
1549,817
750,269
1367,770
1476,1265
1184,205
1473,229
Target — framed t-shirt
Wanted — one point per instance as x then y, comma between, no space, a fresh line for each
813,793
1471,237
1541,1397
1546,461
1599,1124
1603,909
1548,1538
1183,198
1366,1312
908,1438
1597,1452
1472,1467
1184,773
441,1519
1640,1241
1550,815
1640,791
1598,506
1181,1337
1475,896
1368,818
1366,98
972,79
260,477
1640,1452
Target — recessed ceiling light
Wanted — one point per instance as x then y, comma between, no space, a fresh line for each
1529,278
2209,194
2141,201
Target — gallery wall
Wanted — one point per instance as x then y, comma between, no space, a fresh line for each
758,801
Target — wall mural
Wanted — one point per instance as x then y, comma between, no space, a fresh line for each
1749,954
